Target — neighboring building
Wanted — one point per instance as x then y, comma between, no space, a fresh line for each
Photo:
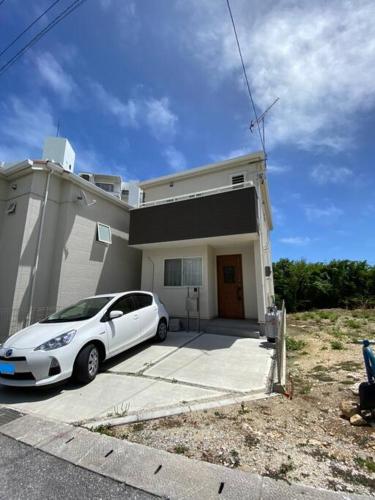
61,239
113,184
206,231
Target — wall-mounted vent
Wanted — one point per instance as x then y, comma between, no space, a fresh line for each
238,179
11,209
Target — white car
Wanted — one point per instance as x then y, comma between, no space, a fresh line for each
75,341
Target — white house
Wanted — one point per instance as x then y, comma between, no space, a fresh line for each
205,232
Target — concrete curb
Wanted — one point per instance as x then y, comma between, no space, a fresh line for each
175,410
154,471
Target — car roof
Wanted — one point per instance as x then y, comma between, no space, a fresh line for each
119,294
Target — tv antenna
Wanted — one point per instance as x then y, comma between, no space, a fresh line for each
259,122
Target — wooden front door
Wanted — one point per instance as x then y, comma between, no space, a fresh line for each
229,286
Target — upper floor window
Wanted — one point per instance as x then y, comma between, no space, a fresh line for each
104,234
105,186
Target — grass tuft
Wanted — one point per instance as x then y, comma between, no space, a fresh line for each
336,345
293,344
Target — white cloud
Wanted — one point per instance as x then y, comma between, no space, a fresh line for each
296,240
310,54
127,112
105,4
278,215
176,160
325,174
52,73
329,213
90,160
23,128
160,118
234,153
156,114
277,169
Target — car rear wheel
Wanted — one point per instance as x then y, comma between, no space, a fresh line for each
86,366
161,332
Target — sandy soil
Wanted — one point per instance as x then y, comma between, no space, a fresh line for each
298,439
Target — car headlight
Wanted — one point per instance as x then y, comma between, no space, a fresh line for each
56,342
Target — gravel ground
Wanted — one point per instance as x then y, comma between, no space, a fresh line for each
298,439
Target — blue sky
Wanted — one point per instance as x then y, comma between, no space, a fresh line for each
146,88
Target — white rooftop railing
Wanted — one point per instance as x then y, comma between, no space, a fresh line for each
198,194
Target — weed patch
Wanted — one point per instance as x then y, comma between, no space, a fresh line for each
104,429
180,449
293,344
138,427
365,463
336,345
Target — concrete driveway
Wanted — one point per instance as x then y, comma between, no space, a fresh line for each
187,370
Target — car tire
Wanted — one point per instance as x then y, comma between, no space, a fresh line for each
162,331
86,365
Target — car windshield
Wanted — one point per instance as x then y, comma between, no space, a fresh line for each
84,309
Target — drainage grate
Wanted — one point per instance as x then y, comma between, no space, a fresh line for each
7,415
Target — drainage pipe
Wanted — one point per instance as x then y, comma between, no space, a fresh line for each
37,252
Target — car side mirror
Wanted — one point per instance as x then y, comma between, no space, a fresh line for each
115,314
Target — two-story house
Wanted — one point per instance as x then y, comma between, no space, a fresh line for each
206,230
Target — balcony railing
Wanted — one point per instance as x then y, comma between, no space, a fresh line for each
198,194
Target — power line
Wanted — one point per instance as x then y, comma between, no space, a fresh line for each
28,27
245,75
72,7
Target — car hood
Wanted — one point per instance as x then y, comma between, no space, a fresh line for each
37,334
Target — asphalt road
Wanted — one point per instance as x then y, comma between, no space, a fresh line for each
27,473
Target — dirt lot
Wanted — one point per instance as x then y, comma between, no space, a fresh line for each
303,439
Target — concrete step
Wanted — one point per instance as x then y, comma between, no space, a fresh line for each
233,332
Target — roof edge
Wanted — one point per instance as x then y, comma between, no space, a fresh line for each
26,165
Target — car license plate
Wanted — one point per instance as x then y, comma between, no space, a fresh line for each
7,368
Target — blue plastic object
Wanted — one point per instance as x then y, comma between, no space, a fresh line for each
369,358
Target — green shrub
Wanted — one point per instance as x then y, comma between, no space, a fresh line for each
353,324
336,345
293,344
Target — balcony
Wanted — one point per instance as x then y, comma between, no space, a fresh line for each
226,211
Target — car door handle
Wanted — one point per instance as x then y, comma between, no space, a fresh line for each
135,316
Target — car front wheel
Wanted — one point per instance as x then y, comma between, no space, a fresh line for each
86,366
161,333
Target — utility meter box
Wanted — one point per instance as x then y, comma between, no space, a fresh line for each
192,301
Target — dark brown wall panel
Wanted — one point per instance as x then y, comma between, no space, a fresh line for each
232,212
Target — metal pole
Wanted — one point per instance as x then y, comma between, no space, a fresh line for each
199,311
37,252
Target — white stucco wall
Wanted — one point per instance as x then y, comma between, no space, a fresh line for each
209,180
174,297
